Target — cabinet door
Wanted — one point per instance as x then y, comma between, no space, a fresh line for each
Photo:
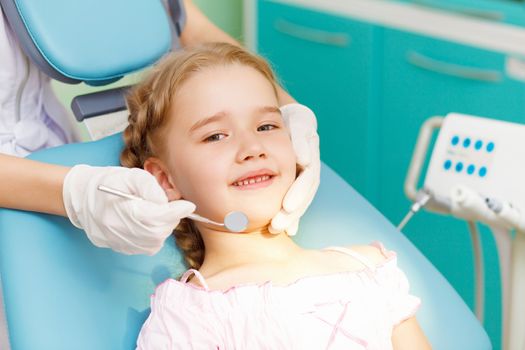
324,62
424,77
512,12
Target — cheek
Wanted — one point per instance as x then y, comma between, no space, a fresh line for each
288,160
198,177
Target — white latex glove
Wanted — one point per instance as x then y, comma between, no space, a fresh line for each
128,226
302,125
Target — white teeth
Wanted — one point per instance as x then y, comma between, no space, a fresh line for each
252,180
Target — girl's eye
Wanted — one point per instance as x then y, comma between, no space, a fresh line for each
214,137
267,127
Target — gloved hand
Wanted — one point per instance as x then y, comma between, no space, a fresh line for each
302,124
128,226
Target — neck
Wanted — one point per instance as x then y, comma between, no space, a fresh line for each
226,250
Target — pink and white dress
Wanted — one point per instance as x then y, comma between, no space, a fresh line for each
345,310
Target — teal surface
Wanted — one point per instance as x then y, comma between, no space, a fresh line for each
72,35
62,293
512,12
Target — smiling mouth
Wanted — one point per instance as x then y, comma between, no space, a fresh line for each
254,182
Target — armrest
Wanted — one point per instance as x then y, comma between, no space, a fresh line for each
99,103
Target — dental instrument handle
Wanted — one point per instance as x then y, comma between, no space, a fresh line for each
119,193
116,192
468,204
235,221
494,205
197,217
422,198
509,215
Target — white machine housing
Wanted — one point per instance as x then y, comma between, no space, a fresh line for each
486,155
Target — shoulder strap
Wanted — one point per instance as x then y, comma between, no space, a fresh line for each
189,273
359,257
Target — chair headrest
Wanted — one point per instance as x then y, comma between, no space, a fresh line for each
96,41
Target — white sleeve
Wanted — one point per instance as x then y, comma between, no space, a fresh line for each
174,324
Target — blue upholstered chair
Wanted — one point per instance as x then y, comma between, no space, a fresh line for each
61,292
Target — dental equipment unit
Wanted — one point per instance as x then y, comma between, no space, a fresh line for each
235,221
476,173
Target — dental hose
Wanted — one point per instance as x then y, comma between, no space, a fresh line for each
422,198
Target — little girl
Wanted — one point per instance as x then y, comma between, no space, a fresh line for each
206,124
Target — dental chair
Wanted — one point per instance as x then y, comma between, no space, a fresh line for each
61,293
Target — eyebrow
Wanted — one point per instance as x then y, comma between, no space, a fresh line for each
221,115
205,121
269,109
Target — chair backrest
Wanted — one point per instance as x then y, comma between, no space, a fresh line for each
61,292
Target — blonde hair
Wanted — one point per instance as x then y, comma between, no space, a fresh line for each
149,103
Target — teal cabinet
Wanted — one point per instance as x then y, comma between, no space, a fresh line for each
512,12
325,62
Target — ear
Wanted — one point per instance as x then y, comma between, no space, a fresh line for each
158,169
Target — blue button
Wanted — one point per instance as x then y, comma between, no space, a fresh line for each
470,169
455,140
490,147
466,142
482,171
478,145
447,164
459,167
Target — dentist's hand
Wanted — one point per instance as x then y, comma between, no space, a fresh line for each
128,226
302,125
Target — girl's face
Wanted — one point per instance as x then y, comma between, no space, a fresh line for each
226,146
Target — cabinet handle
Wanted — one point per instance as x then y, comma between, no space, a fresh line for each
490,15
311,34
451,69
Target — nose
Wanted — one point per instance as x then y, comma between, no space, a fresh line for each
250,148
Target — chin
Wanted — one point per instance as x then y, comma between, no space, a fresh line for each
260,208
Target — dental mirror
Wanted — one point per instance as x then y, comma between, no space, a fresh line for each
235,221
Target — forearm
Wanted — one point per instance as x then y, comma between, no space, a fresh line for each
31,185
199,29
